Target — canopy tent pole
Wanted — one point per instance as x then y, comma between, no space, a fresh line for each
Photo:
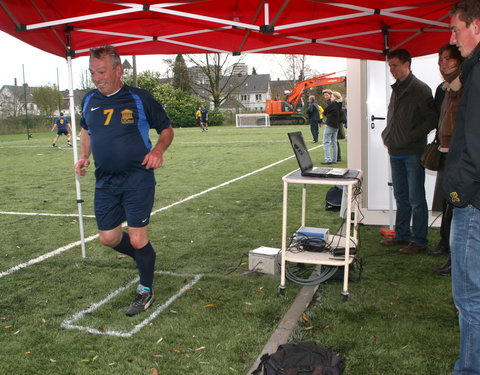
75,153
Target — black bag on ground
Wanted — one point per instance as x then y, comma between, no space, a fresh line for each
302,358
333,199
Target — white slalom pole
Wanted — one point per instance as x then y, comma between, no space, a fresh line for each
75,154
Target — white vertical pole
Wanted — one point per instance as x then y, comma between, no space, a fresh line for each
75,154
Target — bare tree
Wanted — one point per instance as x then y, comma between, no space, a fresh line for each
214,77
12,103
296,68
86,83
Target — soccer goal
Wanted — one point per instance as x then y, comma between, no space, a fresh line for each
243,120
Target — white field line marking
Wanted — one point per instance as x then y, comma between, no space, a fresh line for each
91,238
45,256
41,214
68,323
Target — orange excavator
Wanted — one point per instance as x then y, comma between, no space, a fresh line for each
289,111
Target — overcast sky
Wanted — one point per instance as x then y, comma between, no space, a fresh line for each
41,68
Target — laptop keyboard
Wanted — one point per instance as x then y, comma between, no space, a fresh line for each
322,170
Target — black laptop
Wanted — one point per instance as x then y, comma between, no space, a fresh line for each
305,161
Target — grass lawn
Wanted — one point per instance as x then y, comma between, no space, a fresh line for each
215,201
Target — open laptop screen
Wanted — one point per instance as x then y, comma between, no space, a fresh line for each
301,152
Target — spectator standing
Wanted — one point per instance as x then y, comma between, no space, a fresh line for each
116,120
341,131
447,98
461,184
61,123
332,113
313,113
411,116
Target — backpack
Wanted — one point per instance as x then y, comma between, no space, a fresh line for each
302,358
333,198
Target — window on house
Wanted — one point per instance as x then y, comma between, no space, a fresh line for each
244,98
258,96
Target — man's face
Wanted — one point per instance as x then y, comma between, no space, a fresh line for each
399,70
105,77
326,96
465,38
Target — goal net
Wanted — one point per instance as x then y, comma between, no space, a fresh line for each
243,120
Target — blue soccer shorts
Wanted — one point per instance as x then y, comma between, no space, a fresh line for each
113,207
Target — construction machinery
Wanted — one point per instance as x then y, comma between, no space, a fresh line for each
292,109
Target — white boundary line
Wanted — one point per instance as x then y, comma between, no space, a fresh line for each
41,214
68,323
91,238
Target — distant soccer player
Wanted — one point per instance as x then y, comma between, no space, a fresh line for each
61,124
116,120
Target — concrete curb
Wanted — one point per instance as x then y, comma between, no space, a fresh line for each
288,323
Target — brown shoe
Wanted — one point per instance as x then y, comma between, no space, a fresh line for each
393,242
412,248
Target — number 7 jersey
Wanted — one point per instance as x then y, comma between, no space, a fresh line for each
119,127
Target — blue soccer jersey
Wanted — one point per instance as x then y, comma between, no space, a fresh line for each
118,126
61,123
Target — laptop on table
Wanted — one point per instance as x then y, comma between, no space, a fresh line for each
305,161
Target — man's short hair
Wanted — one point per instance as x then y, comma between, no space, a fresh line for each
107,50
327,91
467,10
402,54
312,98
61,113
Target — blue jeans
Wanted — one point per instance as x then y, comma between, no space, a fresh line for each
408,179
465,248
330,143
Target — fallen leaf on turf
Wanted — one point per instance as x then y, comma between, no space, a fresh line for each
43,321
28,352
173,312
309,328
112,364
53,360
84,360
175,351
305,318
94,358
201,348
154,371
245,357
16,332
158,355
248,303
209,305
159,340
7,327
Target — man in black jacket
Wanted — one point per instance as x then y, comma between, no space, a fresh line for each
462,187
313,112
411,116
332,112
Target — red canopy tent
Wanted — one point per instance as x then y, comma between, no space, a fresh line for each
364,29
355,29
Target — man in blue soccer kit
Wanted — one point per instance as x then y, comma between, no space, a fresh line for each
204,118
61,124
116,120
